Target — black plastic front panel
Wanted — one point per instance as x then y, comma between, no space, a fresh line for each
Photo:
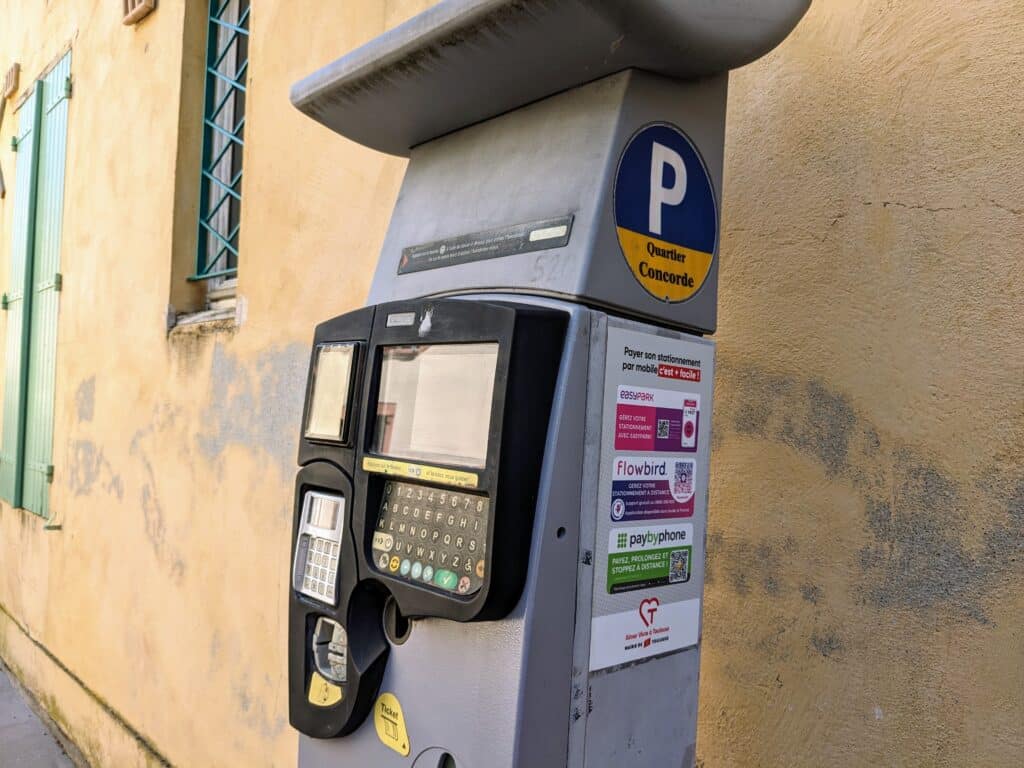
498,508
358,609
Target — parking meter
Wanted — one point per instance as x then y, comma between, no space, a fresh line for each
500,512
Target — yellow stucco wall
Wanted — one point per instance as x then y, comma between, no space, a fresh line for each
865,602
867,511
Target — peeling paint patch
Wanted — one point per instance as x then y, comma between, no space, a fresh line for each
154,518
85,399
89,468
257,406
254,705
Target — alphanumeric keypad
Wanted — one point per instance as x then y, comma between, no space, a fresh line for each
432,536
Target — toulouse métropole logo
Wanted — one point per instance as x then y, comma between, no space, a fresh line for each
648,607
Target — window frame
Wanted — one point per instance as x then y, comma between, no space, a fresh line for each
220,191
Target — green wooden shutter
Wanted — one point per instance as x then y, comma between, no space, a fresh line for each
18,300
46,283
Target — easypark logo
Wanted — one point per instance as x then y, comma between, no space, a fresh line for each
636,395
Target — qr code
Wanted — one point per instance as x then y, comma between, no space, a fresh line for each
678,566
682,484
663,427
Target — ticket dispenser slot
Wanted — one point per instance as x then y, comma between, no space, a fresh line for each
423,439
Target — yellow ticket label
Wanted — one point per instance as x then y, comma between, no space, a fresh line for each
421,472
390,724
323,693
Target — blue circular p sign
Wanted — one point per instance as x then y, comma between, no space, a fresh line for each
665,213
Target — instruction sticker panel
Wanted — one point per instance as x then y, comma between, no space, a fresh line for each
656,420
652,520
649,556
650,629
651,487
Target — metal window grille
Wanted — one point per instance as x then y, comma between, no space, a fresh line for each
220,191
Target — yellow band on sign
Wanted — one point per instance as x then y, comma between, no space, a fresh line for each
421,472
666,271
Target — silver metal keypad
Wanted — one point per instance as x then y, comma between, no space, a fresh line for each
318,547
321,572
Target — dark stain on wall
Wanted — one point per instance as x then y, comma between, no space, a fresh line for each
812,593
821,427
920,521
827,643
85,399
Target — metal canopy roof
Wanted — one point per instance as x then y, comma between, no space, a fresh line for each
464,61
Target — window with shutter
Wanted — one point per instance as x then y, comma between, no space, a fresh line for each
14,302
32,297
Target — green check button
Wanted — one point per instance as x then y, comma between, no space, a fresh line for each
446,579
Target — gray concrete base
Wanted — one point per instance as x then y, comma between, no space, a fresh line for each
25,742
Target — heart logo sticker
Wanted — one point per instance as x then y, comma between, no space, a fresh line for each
648,608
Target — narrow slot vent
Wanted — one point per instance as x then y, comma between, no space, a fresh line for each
136,10
11,80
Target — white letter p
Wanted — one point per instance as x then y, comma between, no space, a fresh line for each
661,195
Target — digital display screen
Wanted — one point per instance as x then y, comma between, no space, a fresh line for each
323,511
434,402
332,377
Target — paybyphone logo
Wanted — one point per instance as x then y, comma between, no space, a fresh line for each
650,537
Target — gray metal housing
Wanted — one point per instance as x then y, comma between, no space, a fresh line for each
519,693
464,61
554,158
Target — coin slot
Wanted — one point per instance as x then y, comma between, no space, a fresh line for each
396,626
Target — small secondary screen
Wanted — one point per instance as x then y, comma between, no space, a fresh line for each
331,384
435,402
